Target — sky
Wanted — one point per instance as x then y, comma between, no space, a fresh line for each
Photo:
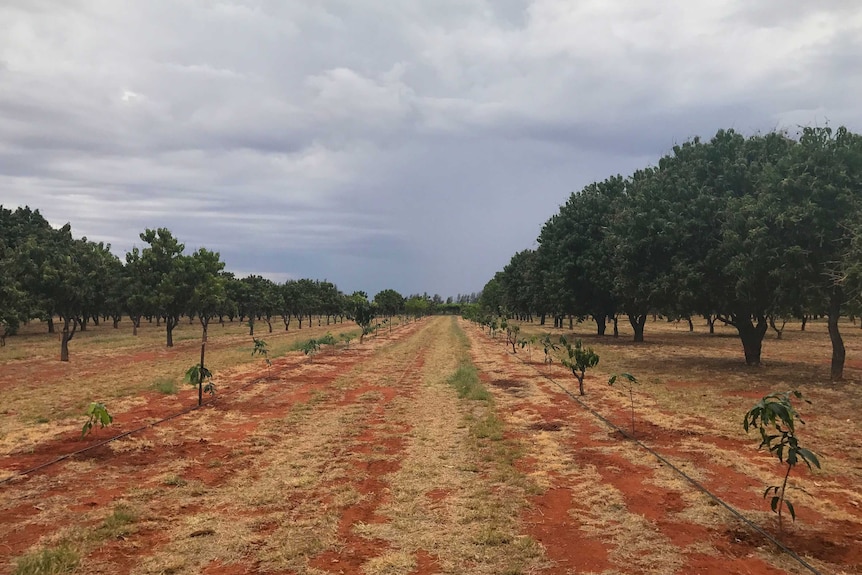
404,144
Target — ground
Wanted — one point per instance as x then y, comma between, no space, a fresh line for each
364,459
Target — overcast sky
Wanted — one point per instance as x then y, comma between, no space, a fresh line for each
386,143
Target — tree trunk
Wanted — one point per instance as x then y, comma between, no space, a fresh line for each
269,323
601,324
50,325
616,326
84,323
638,322
116,322
571,325
299,317
752,337
690,324
251,326
170,323
204,325
838,351
804,321
286,320
542,319
67,337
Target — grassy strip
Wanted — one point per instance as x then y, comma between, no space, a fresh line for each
48,561
65,557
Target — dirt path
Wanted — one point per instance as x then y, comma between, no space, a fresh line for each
609,506
361,461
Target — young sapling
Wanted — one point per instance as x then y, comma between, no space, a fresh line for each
579,359
775,417
629,381
96,413
195,375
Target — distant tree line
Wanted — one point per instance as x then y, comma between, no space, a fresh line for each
47,274
743,231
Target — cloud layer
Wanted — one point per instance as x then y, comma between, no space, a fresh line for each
412,145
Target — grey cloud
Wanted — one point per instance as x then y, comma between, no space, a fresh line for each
415,145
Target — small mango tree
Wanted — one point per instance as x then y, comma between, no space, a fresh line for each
360,310
629,381
208,295
197,375
549,347
579,359
775,418
512,336
261,348
96,413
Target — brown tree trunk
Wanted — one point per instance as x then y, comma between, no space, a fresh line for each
838,351
66,337
752,337
170,323
50,325
601,323
204,325
638,323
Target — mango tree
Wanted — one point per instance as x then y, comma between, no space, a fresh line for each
360,310
579,359
775,418
208,294
167,287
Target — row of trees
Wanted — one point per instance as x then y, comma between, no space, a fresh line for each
744,231
46,273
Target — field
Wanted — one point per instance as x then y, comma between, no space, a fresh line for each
430,448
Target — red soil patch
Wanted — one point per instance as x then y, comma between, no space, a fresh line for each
426,564
558,531
571,550
139,465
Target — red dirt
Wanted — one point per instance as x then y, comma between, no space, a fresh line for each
550,519
121,471
551,523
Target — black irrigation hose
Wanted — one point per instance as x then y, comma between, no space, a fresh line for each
122,435
682,473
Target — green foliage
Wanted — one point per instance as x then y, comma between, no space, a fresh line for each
775,417
50,561
346,338
579,359
360,310
528,342
512,332
117,524
96,413
261,348
196,375
165,385
310,347
549,347
629,381
327,339
466,382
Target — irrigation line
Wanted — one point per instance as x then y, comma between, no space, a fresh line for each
127,433
679,471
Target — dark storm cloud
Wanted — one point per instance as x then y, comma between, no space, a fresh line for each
413,145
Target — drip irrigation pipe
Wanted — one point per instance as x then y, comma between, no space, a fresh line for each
680,472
